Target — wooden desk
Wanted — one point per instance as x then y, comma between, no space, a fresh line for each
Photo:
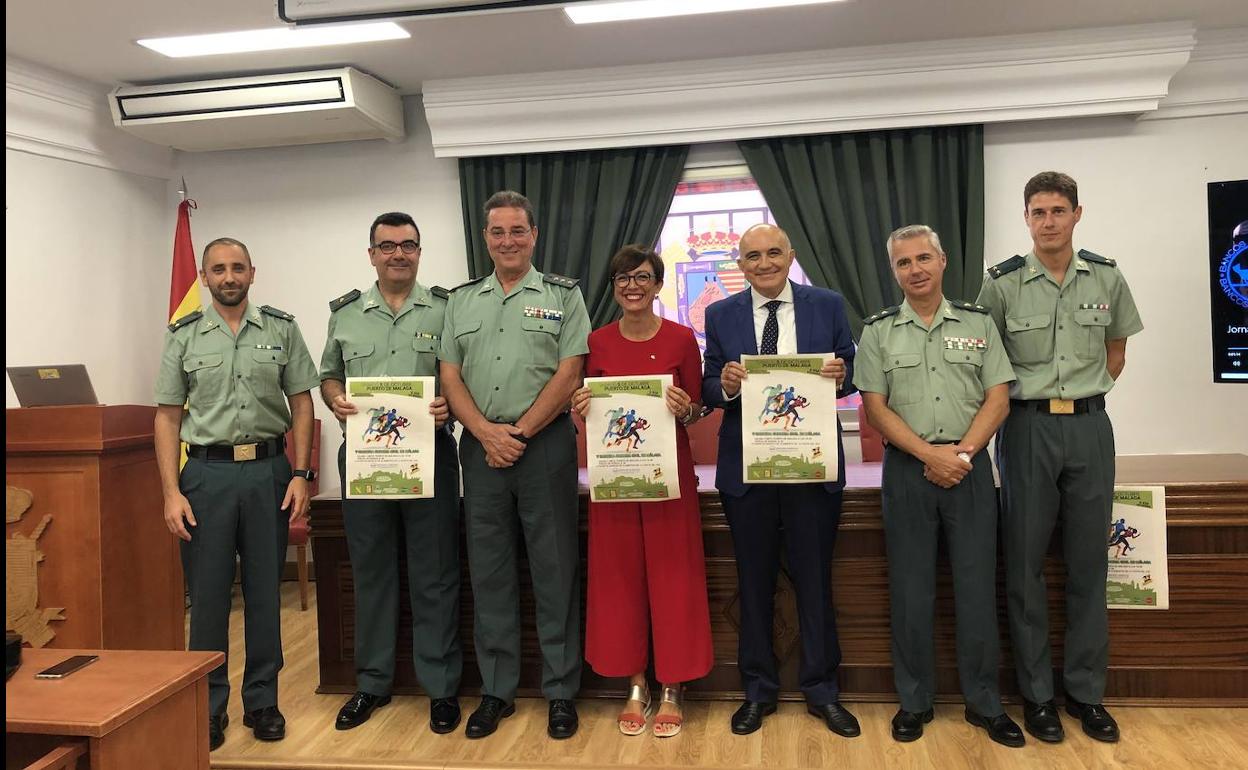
131,709
1194,654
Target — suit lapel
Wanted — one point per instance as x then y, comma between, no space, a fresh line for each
803,318
745,322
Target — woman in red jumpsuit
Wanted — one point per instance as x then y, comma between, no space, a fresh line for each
647,572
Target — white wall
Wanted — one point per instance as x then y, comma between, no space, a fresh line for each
87,255
1142,187
304,214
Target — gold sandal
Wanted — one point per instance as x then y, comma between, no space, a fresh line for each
641,695
672,694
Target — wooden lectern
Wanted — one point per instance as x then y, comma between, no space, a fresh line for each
108,558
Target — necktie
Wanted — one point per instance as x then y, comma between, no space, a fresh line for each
771,330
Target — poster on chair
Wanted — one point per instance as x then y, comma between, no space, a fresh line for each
389,438
630,440
1137,577
788,420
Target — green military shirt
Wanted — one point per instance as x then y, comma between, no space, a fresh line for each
934,377
1056,335
508,347
236,386
367,339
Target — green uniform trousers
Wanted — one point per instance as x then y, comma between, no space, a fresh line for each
237,509
1057,465
915,510
428,531
536,498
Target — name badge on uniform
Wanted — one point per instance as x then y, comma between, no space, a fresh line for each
543,313
268,347
965,343
1093,306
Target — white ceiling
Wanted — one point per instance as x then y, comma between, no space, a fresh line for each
94,39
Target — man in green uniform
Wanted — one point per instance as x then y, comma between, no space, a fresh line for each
235,366
512,353
934,379
392,330
1065,318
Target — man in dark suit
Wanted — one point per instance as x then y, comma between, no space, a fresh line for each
776,316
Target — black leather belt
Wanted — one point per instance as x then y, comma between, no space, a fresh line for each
1062,406
238,453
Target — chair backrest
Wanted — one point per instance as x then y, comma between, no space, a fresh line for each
870,439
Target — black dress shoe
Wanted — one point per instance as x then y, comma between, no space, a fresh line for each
267,724
1096,721
1043,722
357,710
561,719
750,716
1000,728
484,721
444,715
908,725
837,718
216,730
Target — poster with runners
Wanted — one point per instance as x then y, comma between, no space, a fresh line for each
1137,576
630,439
390,438
788,420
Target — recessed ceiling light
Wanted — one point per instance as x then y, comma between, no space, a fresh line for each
276,39
594,13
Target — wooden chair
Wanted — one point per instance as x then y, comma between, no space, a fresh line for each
301,530
63,757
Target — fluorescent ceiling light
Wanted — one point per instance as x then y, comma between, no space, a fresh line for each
594,13
276,39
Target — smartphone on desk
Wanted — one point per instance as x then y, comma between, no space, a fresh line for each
66,667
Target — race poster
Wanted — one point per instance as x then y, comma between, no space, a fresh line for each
390,438
788,420
1137,577
630,438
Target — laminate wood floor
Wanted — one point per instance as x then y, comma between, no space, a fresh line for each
397,737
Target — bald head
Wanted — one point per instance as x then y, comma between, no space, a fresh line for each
765,258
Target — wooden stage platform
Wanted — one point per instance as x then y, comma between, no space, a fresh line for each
1195,653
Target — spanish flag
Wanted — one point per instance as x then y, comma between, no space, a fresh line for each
183,286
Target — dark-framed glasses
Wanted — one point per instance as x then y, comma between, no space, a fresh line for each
641,279
389,247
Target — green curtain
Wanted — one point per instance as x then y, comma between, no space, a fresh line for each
839,196
587,204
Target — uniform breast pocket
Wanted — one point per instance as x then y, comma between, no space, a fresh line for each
1091,343
905,378
963,367
207,380
426,350
355,356
1029,339
266,371
541,337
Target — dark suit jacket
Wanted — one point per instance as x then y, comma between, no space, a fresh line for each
822,327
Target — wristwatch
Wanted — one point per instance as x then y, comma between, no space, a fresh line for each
305,473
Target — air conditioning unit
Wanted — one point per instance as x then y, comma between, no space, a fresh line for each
335,105
322,11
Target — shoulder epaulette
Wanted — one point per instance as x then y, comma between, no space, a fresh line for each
346,299
560,280
885,313
189,318
439,292
282,314
1088,256
971,306
468,283
1008,266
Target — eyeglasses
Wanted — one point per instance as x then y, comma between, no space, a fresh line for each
516,233
641,279
389,247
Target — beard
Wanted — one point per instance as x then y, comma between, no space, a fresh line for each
219,295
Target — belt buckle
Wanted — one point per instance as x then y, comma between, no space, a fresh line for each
244,452
1061,406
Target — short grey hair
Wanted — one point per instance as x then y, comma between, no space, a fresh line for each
509,199
914,231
